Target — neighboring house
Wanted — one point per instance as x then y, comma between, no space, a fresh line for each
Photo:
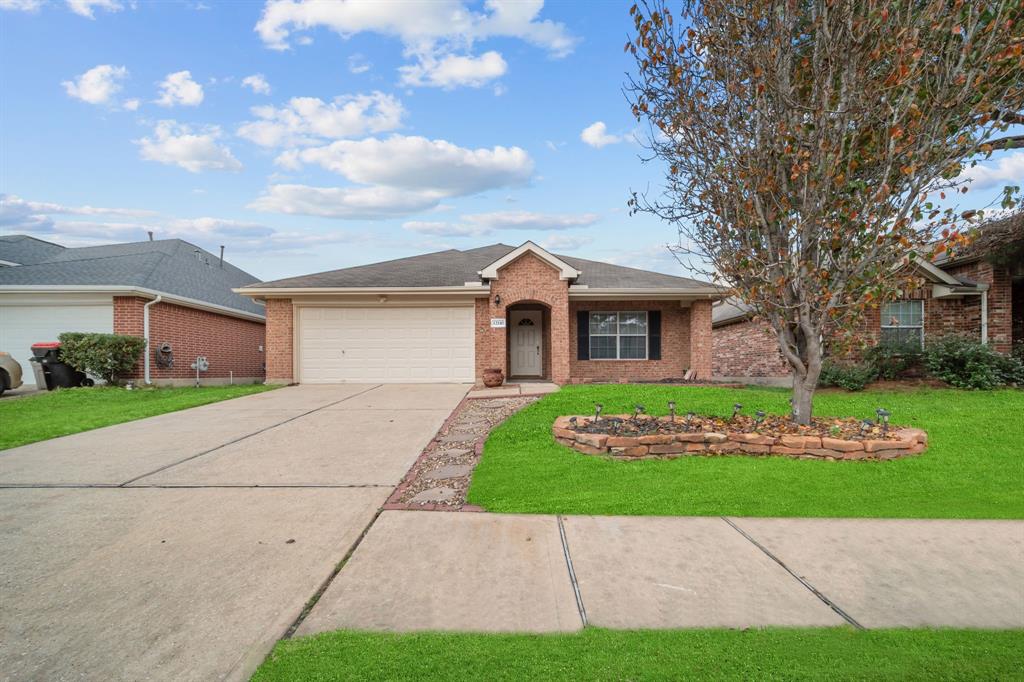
450,315
46,289
978,292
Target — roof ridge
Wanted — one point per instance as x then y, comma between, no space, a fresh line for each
37,239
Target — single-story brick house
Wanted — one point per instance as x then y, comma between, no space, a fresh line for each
978,291
183,293
448,316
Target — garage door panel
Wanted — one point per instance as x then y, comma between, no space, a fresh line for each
21,326
385,344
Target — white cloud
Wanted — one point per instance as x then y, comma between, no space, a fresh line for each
308,120
84,8
596,135
350,203
257,83
17,214
131,104
438,35
1007,170
179,88
566,242
451,71
97,85
21,5
416,163
476,224
176,144
358,63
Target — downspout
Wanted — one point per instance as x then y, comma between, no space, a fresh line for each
145,335
984,316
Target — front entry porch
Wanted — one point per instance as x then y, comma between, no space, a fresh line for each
528,343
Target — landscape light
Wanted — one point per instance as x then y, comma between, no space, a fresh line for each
865,426
672,410
637,411
736,410
883,418
597,411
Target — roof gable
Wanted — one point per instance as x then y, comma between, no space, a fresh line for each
565,271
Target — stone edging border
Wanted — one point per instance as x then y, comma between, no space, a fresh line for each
669,446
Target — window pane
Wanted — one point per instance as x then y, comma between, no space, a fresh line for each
602,323
633,323
632,347
902,335
903,314
602,347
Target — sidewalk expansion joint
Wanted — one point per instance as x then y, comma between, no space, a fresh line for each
248,435
312,601
828,602
572,573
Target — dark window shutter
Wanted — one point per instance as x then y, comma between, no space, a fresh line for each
583,335
654,335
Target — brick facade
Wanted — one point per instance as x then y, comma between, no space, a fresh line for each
280,337
675,345
530,283
747,349
526,280
231,344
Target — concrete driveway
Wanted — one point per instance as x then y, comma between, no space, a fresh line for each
183,546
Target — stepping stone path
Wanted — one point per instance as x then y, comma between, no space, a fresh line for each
439,494
459,437
450,471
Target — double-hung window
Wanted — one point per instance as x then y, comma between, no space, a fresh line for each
618,336
903,323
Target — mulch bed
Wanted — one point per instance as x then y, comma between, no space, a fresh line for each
440,477
849,428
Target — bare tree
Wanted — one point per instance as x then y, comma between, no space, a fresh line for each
808,143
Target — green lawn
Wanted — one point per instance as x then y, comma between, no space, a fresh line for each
66,411
973,468
593,654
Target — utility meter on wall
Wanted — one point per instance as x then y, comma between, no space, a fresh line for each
201,364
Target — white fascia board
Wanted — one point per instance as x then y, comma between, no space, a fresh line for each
565,271
929,270
119,290
288,292
958,291
699,293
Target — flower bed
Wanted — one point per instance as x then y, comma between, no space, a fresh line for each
644,437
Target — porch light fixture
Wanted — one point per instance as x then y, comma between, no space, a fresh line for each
597,411
672,410
497,299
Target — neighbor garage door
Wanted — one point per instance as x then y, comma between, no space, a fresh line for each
23,325
385,344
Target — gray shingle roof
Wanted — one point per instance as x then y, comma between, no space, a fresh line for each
25,250
728,311
169,266
455,268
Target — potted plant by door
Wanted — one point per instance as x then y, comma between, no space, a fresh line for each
493,377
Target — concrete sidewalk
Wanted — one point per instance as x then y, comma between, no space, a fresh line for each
496,572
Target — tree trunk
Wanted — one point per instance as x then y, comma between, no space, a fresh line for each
805,378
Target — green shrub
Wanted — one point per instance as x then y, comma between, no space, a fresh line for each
891,360
965,363
848,376
107,356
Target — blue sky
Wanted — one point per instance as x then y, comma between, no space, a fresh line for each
313,136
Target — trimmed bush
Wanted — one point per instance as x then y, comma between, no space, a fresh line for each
965,363
850,377
891,360
108,356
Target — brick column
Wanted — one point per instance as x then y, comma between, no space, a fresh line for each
561,351
280,333
700,339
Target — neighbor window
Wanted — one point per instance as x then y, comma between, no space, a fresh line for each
618,336
903,323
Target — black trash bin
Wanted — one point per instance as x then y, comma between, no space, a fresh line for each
57,374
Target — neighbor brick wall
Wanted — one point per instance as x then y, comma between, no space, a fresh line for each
675,345
746,349
231,344
525,280
735,356
280,337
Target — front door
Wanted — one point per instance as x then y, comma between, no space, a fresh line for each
526,331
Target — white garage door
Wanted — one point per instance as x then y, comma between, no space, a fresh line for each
21,326
385,345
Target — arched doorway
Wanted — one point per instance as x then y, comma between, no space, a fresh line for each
528,340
